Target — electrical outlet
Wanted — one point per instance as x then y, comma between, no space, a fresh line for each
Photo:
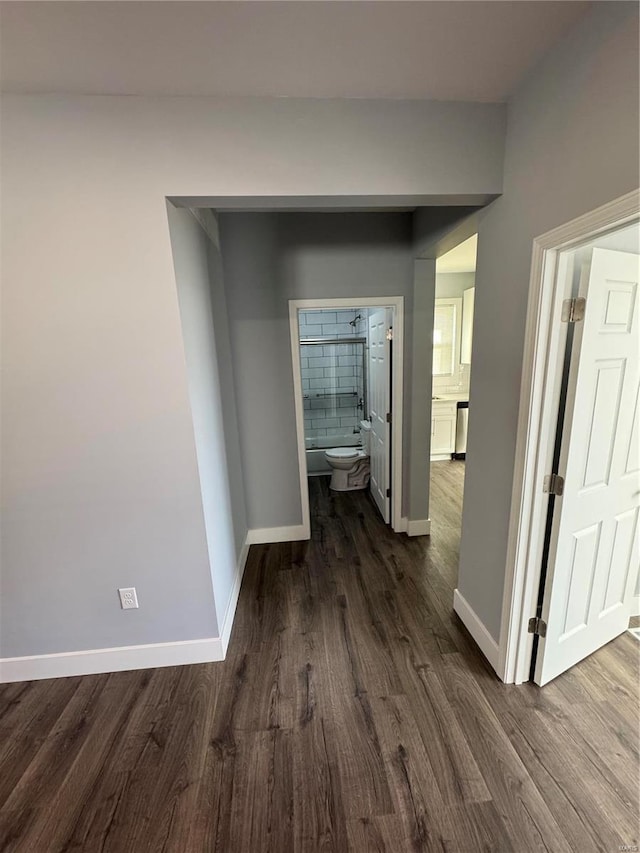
128,598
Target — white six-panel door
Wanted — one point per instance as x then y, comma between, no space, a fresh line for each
379,406
594,551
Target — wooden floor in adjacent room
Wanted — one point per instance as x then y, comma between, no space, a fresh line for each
353,713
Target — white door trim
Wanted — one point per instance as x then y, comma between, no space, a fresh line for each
396,303
537,416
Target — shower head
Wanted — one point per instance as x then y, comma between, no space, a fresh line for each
355,320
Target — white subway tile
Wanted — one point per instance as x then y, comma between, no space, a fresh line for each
312,373
321,361
328,423
319,318
339,371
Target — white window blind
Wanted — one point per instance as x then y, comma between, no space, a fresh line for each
444,338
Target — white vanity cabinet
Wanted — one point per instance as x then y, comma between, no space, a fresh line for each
443,428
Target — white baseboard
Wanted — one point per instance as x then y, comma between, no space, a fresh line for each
264,535
227,622
90,661
402,525
476,628
420,527
121,658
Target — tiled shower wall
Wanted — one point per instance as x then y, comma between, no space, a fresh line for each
332,374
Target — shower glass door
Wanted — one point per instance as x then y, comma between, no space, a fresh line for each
334,390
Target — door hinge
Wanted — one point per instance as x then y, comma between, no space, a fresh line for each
553,484
538,626
573,309
388,417
388,493
390,333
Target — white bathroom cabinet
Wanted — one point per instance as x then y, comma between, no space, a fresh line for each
443,429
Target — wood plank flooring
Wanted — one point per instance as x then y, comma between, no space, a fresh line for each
353,713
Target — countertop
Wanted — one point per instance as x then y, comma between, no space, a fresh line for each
451,398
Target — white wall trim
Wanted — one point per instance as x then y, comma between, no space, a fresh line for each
121,658
419,527
396,303
476,628
118,659
538,394
264,535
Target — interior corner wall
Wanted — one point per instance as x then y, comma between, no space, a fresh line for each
259,336
572,145
211,392
99,476
269,259
230,421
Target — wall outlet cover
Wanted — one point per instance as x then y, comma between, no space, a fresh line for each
128,598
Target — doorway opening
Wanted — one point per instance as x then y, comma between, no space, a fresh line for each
451,371
574,526
347,357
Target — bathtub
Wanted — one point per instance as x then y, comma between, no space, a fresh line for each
315,448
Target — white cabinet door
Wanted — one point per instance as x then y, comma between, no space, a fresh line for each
594,554
443,428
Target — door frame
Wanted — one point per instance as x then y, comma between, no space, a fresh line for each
537,419
396,304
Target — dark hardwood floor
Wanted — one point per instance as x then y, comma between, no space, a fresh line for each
353,713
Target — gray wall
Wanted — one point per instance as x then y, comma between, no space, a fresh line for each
259,334
450,285
100,484
233,456
421,385
211,393
572,145
269,259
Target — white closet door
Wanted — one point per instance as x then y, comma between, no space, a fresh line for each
593,559
379,407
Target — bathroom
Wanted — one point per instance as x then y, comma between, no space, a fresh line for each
333,365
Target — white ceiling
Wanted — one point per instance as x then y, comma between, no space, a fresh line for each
469,51
460,259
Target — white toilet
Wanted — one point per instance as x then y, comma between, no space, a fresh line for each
350,465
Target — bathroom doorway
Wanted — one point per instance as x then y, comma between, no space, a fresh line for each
347,357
